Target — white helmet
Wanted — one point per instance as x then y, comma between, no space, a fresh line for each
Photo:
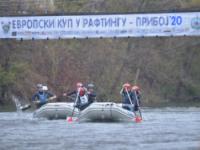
39,85
45,88
90,85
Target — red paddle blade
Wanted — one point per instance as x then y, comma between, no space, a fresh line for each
72,119
138,119
69,119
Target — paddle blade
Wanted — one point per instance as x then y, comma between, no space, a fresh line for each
69,119
138,119
27,106
72,119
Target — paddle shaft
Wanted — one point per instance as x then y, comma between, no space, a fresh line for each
49,99
137,102
25,107
135,82
129,96
130,100
75,102
137,76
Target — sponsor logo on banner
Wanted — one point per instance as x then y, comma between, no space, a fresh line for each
5,27
195,23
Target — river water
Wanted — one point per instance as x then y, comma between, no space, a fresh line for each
161,129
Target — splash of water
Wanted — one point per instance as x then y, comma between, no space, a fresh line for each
17,103
19,106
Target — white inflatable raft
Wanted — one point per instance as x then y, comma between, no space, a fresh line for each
55,111
106,112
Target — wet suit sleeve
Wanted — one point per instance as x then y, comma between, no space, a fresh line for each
34,97
49,95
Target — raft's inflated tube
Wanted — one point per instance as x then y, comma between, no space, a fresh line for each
55,111
106,112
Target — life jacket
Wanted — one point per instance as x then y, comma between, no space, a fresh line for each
84,99
42,97
126,97
83,96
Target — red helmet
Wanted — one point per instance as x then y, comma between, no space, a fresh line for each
127,86
135,88
81,91
79,84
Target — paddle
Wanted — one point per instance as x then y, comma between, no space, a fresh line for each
137,101
51,98
25,107
137,76
19,105
129,98
136,118
70,118
38,103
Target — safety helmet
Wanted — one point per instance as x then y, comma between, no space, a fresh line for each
81,91
90,85
135,88
44,88
127,86
39,85
79,84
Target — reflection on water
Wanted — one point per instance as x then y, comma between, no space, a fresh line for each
167,128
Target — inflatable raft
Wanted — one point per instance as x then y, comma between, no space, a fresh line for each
106,112
55,111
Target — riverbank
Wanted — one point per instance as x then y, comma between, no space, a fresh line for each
7,108
10,107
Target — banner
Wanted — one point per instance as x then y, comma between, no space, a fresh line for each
100,26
